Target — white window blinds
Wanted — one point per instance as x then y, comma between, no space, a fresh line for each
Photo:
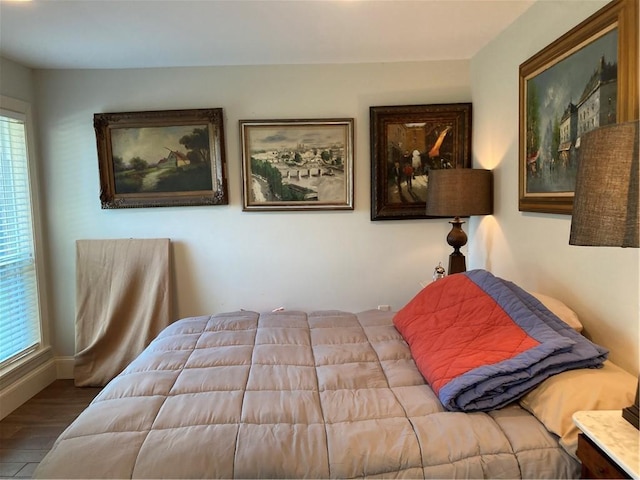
19,312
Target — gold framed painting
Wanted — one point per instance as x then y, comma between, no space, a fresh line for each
161,158
586,79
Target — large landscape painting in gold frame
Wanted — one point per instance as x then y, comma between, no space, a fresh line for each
586,79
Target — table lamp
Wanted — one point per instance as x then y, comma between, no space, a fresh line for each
459,192
605,203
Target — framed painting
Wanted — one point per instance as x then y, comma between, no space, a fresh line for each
406,143
586,79
297,164
161,158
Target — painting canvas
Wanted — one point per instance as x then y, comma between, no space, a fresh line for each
581,82
297,164
565,101
172,158
413,150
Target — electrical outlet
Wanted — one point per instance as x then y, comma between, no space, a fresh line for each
384,308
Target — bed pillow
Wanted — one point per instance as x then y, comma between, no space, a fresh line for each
562,311
556,399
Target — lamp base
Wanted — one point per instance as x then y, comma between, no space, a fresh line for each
630,413
457,239
457,263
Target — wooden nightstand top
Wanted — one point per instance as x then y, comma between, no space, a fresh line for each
614,435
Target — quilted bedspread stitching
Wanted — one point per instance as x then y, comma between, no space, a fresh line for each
242,406
413,427
324,423
408,392
142,444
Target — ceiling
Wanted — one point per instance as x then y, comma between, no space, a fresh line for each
179,33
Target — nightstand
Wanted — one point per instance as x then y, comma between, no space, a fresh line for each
609,446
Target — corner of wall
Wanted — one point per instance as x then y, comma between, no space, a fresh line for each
64,368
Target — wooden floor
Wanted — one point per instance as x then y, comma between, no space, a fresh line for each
27,434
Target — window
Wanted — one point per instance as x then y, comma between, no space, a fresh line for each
20,332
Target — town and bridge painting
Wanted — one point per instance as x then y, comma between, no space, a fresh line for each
289,164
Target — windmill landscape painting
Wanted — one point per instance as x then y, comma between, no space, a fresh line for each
172,158
161,159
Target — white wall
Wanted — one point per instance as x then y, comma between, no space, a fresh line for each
601,284
226,259
16,81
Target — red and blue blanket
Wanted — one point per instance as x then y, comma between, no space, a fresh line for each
482,342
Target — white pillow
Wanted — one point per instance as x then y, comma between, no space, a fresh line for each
561,311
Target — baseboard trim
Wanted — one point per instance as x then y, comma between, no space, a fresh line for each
26,387
32,382
64,367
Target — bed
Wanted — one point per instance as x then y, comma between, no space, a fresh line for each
290,394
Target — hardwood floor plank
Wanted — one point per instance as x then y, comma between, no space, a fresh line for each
29,443
26,471
10,469
21,456
27,434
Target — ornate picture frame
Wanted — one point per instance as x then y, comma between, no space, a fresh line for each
161,158
586,79
297,164
406,143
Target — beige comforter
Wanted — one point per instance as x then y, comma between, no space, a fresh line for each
327,394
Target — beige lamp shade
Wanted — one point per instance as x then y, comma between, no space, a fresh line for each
605,205
459,192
